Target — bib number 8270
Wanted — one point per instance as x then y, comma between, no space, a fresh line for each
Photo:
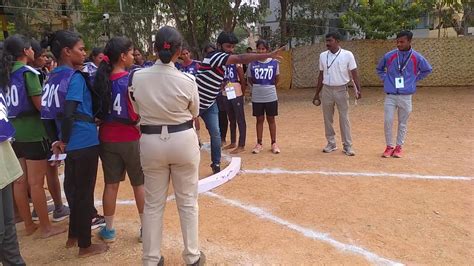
263,73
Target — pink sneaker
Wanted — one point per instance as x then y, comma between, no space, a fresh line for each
388,152
257,149
275,148
397,153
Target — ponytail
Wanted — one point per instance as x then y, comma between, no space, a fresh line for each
59,40
114,48
168,41
13,48
103,85
165,56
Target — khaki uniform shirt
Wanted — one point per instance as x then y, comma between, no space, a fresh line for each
163,95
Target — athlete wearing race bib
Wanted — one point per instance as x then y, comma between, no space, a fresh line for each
69,117
234,89
263,77
31,147
10,170
118,134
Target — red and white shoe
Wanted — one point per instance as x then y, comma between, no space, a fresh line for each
388,152
397,153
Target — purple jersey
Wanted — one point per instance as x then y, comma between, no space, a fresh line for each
144,65
119,111
54,93
17,99
231,73
6,129
190,69
264,73
91,69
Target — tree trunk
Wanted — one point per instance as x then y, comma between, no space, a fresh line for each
191,19
283,17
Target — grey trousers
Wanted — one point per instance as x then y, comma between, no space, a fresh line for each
9,249
171,157
336,96
402,104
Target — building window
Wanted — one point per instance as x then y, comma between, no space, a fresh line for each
265,32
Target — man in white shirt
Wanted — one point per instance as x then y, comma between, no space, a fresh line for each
336,66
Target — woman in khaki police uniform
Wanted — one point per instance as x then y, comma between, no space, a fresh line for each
167,101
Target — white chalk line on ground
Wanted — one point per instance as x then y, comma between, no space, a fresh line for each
324,237
204,184
279,171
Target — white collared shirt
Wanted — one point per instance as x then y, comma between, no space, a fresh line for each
340,64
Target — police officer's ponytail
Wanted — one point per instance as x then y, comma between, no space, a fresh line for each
168,42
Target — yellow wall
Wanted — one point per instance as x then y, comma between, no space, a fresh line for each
452,60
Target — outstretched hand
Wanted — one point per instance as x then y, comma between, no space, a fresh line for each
277,53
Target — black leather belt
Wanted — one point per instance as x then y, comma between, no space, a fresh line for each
151,129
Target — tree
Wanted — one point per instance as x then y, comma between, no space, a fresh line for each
199,20
303,20
446,12
33,18
379,19
136,20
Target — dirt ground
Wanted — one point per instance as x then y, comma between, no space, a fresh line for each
406,220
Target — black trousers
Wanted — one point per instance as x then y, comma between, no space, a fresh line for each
79,185
9,249
223,122
236,114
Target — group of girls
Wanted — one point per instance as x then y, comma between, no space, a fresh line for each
22,75
59,116
56,112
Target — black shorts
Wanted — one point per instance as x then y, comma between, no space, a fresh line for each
270,109
35,151
120,157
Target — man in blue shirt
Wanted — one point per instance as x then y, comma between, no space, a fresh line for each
400,70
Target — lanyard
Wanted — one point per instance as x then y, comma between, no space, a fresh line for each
327,59
404,65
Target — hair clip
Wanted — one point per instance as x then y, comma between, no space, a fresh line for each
106,59
166,45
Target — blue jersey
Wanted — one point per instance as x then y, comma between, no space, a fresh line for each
6,129
190,69
231,74
17,99
264,73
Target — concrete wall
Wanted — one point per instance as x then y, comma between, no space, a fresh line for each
452,60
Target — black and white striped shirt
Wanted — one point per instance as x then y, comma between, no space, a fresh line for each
209,78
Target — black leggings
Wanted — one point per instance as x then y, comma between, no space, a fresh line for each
235,111
9,249
79,185
223,122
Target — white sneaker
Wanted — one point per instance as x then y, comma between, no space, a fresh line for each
330,148
257,149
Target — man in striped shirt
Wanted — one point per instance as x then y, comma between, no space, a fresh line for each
210,79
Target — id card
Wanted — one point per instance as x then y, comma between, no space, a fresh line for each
230,92
399,83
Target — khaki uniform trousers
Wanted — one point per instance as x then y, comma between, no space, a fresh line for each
165,157
336,96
